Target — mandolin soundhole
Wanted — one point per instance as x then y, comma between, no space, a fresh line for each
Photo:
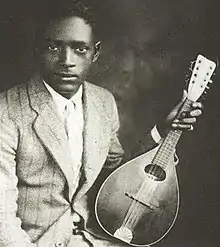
155,172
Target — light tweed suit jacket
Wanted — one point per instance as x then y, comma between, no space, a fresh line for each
37,197
36,175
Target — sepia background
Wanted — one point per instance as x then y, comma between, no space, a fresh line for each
147,49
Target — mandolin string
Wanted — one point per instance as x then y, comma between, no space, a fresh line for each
138,208
129,213
141,208
134,204
138,211
132,214
166,151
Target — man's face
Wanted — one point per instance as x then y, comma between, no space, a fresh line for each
67,53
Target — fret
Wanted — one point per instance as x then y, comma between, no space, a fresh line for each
167,148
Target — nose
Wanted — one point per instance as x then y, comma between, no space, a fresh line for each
68,57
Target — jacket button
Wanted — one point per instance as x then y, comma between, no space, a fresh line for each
76,218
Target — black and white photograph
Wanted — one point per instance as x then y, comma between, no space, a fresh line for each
109,123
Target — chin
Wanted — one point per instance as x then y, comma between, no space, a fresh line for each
65,88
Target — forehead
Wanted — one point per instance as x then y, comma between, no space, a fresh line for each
69,29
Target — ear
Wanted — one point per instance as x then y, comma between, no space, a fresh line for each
97,51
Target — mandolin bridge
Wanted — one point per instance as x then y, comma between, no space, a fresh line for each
151,207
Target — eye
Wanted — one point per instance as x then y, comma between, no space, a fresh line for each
82,50
53,48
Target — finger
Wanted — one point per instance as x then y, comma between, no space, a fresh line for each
197,105
193,113
189,120
191,128
182,126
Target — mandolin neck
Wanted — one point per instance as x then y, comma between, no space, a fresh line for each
168,146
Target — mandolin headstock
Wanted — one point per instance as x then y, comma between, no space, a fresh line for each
200,78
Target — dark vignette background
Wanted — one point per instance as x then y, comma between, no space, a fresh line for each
148,46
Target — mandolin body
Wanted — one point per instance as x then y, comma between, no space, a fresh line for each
150,209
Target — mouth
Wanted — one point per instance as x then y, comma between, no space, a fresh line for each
66,76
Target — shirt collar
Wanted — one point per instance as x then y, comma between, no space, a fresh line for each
76,98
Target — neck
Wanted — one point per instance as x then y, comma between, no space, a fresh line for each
69,95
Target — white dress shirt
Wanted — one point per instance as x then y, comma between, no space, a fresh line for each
71,115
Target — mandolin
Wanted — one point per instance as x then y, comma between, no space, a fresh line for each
138,203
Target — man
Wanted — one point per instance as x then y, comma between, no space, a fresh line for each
57,133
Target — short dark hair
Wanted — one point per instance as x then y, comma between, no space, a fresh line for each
53,10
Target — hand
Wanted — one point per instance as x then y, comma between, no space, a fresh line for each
186,121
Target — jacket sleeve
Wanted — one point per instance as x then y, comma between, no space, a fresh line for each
11,233
116,152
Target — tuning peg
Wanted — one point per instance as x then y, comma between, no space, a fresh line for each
192,64
210,81
207,87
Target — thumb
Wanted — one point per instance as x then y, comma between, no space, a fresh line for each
184,95
173,114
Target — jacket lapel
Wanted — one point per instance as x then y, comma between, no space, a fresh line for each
50,129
